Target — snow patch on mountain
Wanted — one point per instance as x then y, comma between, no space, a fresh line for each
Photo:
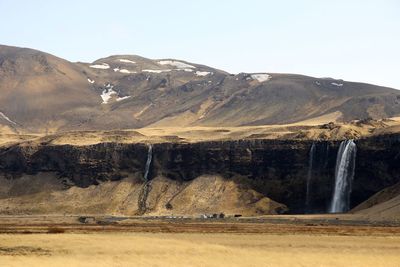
156,71
126,71
123,70
261,77
202,73
107,93
90,81
2,115
103,66
123,98
177,64
127,61
337,84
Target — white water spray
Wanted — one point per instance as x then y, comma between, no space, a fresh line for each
148,162
344,173
309,175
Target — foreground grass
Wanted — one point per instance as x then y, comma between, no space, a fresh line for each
195,249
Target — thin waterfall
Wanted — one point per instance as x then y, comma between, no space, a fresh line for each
326,157
309,175
146,185
344,174
148,162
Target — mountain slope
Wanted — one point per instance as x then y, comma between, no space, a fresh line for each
43,93
40,91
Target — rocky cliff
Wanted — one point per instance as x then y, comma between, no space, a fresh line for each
254,171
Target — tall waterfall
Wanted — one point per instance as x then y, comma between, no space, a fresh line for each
148,162
309,175
344,173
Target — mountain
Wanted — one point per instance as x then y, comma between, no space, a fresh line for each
43,93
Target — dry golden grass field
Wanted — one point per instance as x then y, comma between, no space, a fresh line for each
197,249
308,241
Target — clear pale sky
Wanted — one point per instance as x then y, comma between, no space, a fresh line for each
356,40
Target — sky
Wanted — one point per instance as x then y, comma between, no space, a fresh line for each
355,40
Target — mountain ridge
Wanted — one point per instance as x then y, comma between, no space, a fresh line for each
44,93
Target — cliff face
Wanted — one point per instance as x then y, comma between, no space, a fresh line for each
277,169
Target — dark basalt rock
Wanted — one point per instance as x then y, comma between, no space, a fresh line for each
276,168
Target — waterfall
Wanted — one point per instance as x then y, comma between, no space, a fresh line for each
309,175
146,185
148,162
326,156
344,173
